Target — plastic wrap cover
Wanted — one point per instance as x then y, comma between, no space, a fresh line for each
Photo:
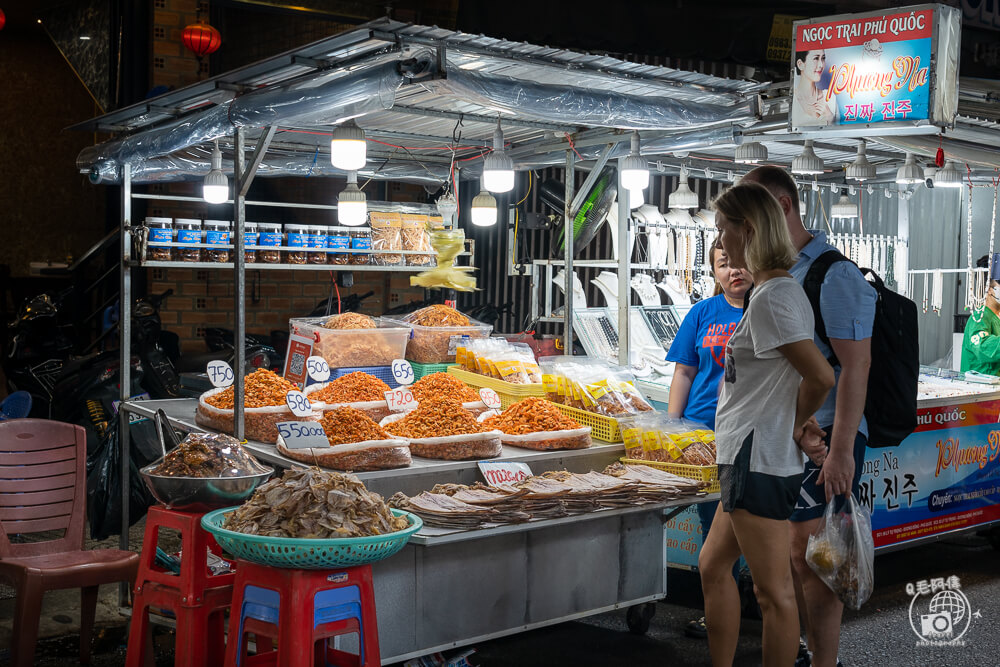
949,25
927,146
320,99
561,104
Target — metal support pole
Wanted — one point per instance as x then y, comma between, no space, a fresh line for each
568,244
239,283
624,274
125,361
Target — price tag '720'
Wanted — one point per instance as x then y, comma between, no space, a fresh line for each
220,374
298,403
400,399
317,368
402,371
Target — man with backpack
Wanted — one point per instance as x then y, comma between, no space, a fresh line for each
846,314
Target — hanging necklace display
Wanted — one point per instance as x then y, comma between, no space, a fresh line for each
925,278
970,295
937,292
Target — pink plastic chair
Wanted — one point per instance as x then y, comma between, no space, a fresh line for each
43,488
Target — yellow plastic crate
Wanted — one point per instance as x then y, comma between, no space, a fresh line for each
601,427
708,474
509,392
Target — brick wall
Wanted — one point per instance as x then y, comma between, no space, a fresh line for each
171,63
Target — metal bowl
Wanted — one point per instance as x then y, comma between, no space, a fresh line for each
202,494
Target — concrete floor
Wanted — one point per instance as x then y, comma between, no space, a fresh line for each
879,634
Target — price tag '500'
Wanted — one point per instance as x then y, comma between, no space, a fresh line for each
317,368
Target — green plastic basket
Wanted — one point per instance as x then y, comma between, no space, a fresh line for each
306,554
420,370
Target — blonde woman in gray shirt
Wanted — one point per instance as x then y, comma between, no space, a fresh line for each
775,380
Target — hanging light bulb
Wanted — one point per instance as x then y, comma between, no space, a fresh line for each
484,209
215,188
861,169
844,209
447,205
635,198
634,169
348,150
751,153
498,168
683,197
807,163
910,173
949,177
352,205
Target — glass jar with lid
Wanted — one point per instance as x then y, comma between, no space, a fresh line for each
361,240
270,241
217,238
297,241
161,231
250,240
317,243
339,239
189,235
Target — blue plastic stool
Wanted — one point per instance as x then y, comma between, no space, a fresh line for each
339,602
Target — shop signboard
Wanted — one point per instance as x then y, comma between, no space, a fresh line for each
890,69
945,476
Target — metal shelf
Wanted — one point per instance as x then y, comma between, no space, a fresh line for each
154,264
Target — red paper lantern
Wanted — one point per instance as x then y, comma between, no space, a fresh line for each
201,39
3,19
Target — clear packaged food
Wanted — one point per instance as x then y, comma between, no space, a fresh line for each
250,240
161,230
339,239
270,241
386,236
361,243
297,241
842,551
438,332
354,348
188,232
317,243
416,237
217,234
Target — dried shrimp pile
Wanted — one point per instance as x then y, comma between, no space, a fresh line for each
531,415
345,425
262,388
354,387
443,385
434,418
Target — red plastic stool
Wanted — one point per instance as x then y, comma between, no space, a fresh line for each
197,598
300,608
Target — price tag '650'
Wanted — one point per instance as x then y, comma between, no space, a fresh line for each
298,403
402,371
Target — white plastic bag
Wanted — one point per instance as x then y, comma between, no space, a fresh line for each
842,552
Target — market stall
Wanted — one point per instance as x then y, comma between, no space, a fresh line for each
420,85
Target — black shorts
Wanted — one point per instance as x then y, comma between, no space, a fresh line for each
811,500
763,495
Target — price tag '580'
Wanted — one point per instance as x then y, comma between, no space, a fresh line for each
298,403
400,399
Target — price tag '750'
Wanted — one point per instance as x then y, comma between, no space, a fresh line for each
400,399
298,403
220,374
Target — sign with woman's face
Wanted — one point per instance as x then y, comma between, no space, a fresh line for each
875,69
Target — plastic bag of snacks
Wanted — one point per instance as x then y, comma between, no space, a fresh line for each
417,236
842,552
497,358
593,385
437,333
263,407
386,235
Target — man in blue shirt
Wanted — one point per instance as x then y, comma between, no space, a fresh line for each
847,303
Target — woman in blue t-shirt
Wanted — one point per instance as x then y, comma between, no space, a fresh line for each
699,351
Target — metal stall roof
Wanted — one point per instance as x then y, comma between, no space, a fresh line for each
417,91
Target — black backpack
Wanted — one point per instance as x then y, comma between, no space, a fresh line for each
891,403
